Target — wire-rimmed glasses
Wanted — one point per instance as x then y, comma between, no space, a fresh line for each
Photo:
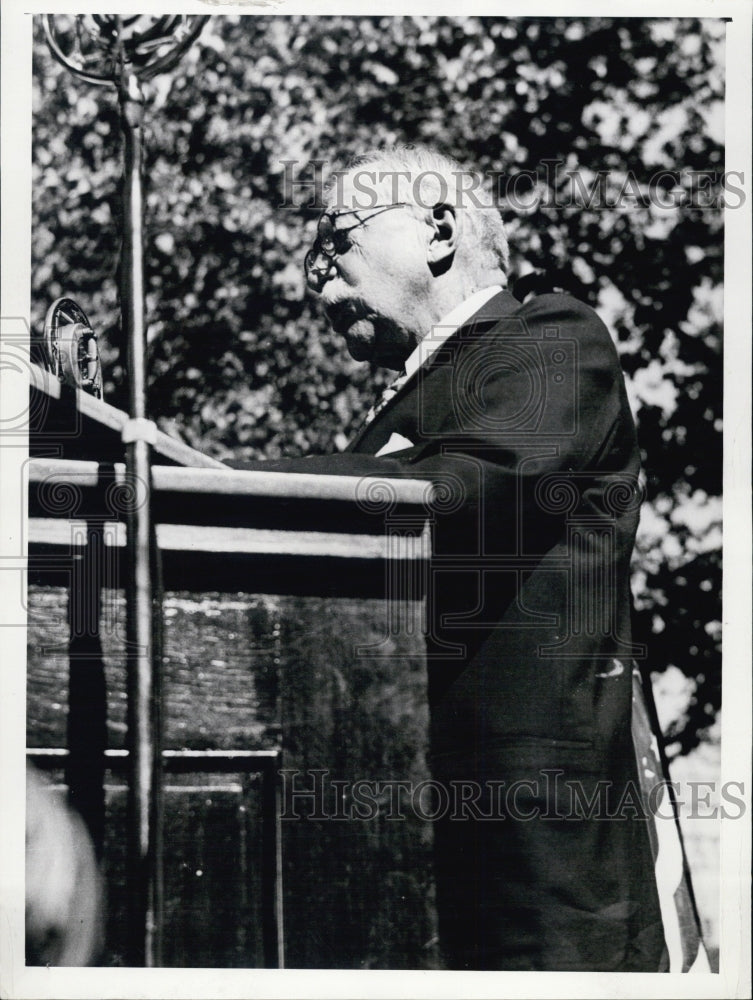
331,241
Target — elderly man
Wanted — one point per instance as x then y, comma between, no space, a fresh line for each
518,413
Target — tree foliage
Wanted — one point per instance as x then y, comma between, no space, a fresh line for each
242,364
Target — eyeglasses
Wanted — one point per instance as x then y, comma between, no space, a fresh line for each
330,241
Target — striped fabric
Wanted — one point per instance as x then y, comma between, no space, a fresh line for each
392,390
682,930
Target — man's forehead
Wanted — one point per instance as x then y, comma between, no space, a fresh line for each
363,188
373,184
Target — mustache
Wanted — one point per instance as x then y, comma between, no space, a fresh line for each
343,312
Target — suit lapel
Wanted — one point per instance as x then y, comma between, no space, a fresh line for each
499,306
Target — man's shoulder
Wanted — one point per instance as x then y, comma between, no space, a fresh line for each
550,315
557,303
544,307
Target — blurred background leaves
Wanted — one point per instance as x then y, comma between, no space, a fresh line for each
241,363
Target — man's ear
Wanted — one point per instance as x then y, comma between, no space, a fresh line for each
443,241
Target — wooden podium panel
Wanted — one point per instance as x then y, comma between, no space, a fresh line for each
280,639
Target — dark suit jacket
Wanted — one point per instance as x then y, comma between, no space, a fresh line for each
522,422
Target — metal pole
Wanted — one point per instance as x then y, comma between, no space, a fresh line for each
271,873
144,859
87,693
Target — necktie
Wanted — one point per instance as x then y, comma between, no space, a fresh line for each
392,390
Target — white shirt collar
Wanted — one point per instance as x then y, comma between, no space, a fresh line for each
445,328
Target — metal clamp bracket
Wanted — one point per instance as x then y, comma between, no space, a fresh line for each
139,429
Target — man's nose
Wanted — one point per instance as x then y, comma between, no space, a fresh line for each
322,268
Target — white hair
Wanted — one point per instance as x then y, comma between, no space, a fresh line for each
424,177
